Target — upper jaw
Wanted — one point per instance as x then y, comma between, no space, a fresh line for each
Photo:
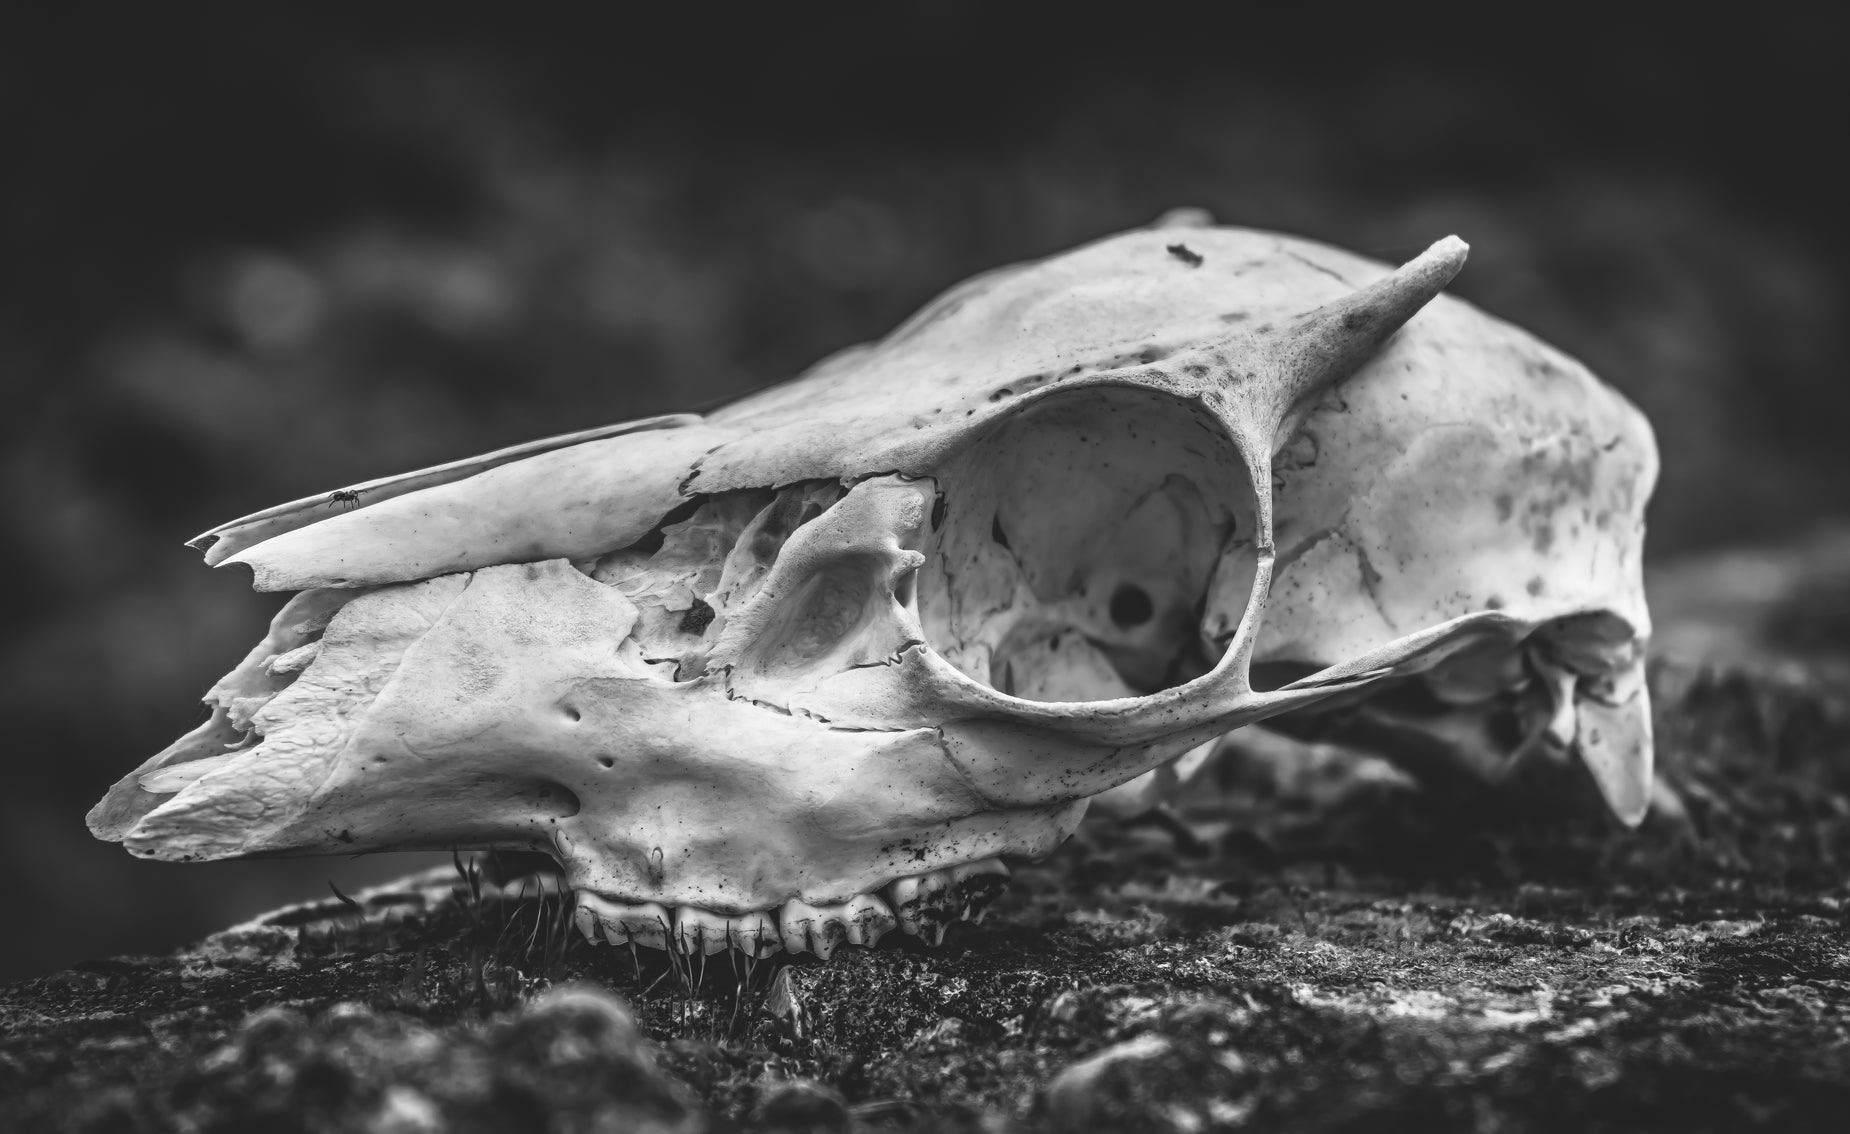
511,707
922,905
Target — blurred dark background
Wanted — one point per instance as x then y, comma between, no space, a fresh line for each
250,252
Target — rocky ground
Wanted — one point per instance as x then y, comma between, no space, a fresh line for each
1329,950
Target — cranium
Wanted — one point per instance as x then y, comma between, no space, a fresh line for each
810,666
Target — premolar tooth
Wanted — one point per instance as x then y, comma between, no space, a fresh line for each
754,934
700,931
591,914
861,920
976,884
923,904
585,918
645,924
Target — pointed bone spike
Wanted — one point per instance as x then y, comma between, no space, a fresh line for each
1310,354
1328,344
1614,741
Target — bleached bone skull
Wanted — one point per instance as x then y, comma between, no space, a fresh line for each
808,667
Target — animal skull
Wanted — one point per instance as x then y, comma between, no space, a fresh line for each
809,667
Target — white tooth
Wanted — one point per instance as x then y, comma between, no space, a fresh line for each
976,884
646,924
699,931
867,919
754,934
1562,723
904,894
812,929
793,922
923,904
861,920
591,913
585,918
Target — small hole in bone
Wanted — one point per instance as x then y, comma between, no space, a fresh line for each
573,715
652,542
697,619
607,761
1130,606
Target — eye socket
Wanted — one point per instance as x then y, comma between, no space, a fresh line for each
1130,606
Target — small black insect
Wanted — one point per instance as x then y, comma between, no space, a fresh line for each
1185,254
346,498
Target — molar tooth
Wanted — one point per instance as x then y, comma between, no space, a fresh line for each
976,884
645,924
923,904
812,929
867,919
754,934
793,922
700,931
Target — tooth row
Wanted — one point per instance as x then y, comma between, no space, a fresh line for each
861,920
923,905
926,904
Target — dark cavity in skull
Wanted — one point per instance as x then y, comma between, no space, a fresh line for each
1069,555
1078,542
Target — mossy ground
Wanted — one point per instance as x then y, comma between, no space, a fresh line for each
1353,956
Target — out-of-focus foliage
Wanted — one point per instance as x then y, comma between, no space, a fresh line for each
248,253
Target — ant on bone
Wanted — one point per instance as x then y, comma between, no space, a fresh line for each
346,498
